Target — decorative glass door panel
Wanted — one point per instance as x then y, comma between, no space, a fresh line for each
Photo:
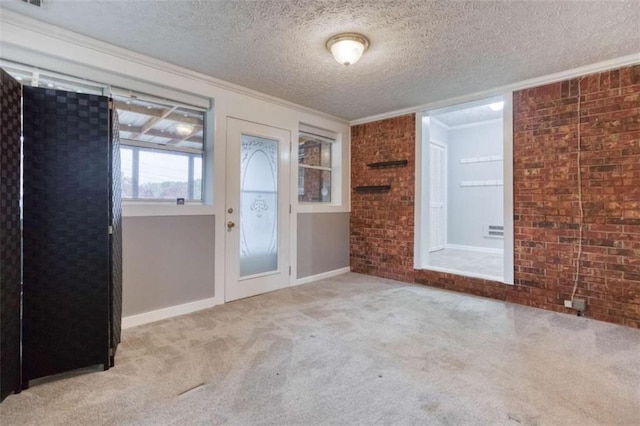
258,206
256,221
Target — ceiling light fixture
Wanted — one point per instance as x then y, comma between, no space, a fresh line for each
184,129
496,106
347,48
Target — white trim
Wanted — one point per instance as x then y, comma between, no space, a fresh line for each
421,215
20,22
539,81
141,208
309,207
507,189
322,276
170,312
465,274
474,248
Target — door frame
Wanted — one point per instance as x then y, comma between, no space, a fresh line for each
285,168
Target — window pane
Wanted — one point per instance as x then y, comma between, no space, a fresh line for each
157,123
197,178
314,152
314,185
163,175
126,172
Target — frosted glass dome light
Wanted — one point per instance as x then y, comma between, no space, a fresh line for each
496,106
347,48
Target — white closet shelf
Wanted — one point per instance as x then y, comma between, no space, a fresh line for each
485,159
481,183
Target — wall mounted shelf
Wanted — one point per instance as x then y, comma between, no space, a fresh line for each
388,164
487,159
372,188
481,183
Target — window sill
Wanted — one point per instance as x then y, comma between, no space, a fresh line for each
169,208
321,208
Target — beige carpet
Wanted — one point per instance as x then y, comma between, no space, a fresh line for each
355,350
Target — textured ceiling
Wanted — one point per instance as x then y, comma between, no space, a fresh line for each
421,51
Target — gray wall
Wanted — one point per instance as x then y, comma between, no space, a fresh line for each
167,261
469,208
323,242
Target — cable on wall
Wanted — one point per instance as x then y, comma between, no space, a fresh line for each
580,204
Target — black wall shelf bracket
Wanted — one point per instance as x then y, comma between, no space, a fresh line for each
372,188
388,164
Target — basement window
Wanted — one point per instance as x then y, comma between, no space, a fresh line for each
162,148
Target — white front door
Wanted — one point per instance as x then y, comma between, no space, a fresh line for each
257,211
437,197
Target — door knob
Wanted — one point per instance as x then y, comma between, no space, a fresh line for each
230,224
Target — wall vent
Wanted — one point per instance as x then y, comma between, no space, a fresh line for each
493,231
36,3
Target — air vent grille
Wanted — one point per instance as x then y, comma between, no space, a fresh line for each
494,231
36,3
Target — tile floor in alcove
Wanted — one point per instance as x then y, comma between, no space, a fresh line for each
468,261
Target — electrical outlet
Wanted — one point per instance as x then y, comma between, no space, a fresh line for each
568,304
579,305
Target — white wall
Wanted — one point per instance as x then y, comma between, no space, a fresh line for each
470,208
438,132
31,42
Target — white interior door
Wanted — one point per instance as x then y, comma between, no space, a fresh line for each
257,210
437,197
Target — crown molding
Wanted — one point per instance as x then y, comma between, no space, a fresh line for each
623,61
10,19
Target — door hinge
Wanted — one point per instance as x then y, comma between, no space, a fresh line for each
110,230
289,208
289,270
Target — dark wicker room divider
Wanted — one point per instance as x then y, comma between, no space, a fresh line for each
71,233
10,241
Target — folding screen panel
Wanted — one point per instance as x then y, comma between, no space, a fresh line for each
67,295
10,240
116,237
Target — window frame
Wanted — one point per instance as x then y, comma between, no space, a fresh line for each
339,177
325,139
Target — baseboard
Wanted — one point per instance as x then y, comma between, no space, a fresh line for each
474,248
172,311
187,308
322,276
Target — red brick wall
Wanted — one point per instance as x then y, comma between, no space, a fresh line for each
546,199
382,223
